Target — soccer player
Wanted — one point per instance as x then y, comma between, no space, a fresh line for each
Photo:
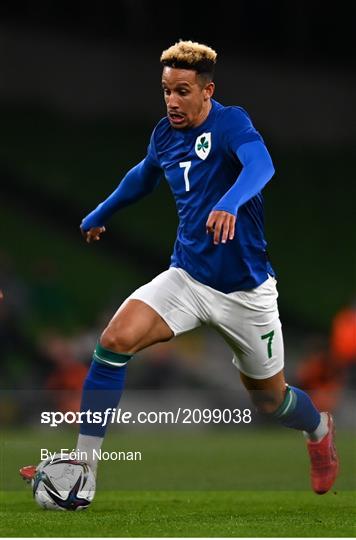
216,164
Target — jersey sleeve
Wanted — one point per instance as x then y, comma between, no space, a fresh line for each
237,129
138,182
151,156
257,170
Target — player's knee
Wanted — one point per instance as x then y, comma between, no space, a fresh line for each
119,341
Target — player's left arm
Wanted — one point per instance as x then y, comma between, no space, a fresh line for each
257,170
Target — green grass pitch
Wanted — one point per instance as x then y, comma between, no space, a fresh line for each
187,514
222,483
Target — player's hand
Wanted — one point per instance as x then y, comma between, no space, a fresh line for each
93,234
222,225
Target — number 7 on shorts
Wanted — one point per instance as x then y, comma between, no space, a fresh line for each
269,336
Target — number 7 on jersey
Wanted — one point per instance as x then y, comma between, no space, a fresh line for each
186,166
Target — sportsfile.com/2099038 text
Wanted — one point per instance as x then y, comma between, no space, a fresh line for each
118,416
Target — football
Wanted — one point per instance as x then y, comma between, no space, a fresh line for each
62,483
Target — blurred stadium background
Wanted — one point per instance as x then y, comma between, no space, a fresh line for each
79,96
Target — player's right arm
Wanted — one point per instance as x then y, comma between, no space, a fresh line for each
138,182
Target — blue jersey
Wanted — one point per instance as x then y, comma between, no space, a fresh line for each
200,165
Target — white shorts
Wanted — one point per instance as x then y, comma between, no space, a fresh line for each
247,320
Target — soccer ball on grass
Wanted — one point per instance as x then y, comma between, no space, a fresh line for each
63,484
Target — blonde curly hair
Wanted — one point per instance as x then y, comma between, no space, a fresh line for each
190,55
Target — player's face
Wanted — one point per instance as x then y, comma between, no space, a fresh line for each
188,101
